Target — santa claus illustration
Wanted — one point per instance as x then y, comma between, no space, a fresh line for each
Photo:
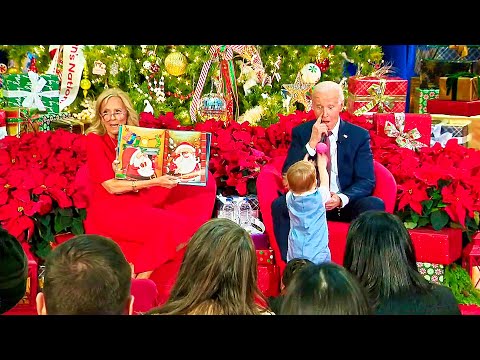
139,164
186,161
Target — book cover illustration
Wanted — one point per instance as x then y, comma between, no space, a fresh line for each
186,155
146,153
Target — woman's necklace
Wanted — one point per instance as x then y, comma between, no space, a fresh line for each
116,162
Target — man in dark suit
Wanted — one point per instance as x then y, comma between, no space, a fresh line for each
352,178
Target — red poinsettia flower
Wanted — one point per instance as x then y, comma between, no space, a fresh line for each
459,201
412,193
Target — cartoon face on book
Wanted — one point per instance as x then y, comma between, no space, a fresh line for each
185,162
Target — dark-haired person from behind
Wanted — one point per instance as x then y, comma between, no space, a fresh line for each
290,270
380,253
86,275
325,289
13,271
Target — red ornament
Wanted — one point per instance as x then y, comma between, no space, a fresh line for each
331,47
324,65
33,65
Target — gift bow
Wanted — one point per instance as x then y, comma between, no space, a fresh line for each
404,139
377,91
438,137
33,98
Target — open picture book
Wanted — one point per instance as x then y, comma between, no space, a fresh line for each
146,153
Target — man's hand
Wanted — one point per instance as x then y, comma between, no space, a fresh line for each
318,130
334,202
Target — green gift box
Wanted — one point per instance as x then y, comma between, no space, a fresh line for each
435,273
423,95
32,91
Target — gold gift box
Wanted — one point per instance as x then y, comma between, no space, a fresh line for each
473,127
70,124
467,89
413,104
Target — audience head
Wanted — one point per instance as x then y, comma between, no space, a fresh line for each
218,274
13,271
380,253
301,176
327,102
291,269
86,275
112,107
325,289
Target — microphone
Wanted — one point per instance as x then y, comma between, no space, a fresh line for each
321,148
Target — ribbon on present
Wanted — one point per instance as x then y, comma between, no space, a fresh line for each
377,91
403,139
452,83
437,136
224,55
33,98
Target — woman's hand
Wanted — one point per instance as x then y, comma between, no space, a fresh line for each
167,181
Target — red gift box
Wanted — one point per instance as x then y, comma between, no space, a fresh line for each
3,118
408,129
27,305
450,107
437,246
368,94
265,256
260,241
269,279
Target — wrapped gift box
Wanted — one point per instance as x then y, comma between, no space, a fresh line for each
459,88
260,241
443,52
409,130
27,305
422,96
70,124
437,246
457,129
22,120
32,91
451,107
269,279
434,273
3,124
265,256
368,94
473,127
431,70
413,100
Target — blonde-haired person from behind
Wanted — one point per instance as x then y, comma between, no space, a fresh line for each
218,275
308,236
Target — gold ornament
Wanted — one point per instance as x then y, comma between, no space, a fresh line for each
85,84
298,91
176,63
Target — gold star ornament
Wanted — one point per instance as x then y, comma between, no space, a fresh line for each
298,91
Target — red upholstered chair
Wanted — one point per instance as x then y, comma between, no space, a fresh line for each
165,275
269,181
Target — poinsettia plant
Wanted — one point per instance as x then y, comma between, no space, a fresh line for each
437,186
38,198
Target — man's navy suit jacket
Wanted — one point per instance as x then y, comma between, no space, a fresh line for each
354,157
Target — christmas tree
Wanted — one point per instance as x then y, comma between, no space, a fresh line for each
253,83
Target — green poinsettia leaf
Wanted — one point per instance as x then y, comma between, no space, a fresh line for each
410,224
439,219
62,223
82,214
65,211
77,226
423,221
428,204
43,249
415,217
